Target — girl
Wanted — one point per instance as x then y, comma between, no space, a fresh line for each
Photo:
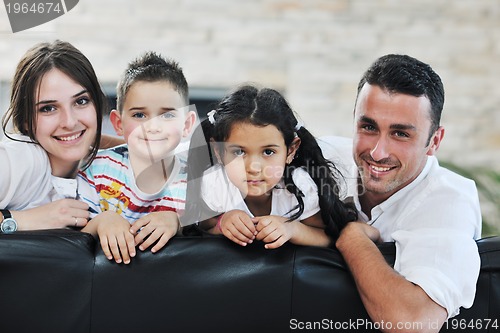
56,109
271,182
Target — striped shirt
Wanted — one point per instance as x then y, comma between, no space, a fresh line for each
109,184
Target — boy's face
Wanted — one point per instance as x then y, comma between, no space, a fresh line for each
153,120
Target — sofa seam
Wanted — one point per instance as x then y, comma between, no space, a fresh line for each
92,289
293,286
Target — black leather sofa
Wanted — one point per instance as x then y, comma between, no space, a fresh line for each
60,281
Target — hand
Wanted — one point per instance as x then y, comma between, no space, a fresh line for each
273,230
156,226
238,227
116,240
57,214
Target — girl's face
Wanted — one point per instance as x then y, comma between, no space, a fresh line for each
66,121
254,158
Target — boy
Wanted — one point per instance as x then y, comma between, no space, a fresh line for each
137,190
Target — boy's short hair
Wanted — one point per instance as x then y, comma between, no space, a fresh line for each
151,67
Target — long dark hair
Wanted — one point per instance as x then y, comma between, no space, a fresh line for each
261,108
36,62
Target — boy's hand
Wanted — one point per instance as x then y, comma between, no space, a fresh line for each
238,227
273,230
156,226
116,240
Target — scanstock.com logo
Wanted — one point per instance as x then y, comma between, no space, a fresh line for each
26,14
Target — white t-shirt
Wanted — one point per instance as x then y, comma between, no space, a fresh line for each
26,176
222,196
434,222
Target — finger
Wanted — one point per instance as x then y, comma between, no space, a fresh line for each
272,236
262,223
73,203
237,237
265,234
277,243
115,251
153,237
138,224
246,227
142,234
130,244
236,240
161,242
105,248
80,222
81,213
122,244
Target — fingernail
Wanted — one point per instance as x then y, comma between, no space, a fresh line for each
118,261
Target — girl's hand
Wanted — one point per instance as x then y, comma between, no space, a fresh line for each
116,240
273,230
54,215
238,227
156,226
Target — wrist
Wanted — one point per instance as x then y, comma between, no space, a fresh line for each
219,222
345,235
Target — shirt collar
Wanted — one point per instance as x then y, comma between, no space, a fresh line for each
380,208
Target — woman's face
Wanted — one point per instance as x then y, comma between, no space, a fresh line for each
66,121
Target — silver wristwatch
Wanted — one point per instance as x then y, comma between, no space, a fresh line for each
8,225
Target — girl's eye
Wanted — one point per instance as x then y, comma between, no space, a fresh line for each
238,152
47,108
82,101
268,152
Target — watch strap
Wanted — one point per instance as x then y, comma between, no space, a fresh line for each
6,213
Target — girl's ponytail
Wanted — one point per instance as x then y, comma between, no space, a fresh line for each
326,176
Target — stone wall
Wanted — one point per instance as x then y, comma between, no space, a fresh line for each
313,51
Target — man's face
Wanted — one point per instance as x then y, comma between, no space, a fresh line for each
391,140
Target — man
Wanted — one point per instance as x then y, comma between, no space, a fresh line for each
403,195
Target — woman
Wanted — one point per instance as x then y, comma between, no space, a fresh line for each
56,109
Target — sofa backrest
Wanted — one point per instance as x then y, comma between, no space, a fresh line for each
60,281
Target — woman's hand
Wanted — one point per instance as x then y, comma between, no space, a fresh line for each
157,227
54,215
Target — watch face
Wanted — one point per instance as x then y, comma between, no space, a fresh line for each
8,226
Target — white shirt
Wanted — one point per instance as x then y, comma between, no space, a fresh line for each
222,196
434,222
26,179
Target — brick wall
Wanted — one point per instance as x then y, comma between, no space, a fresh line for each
313,51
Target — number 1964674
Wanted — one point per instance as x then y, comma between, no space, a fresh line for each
35,8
